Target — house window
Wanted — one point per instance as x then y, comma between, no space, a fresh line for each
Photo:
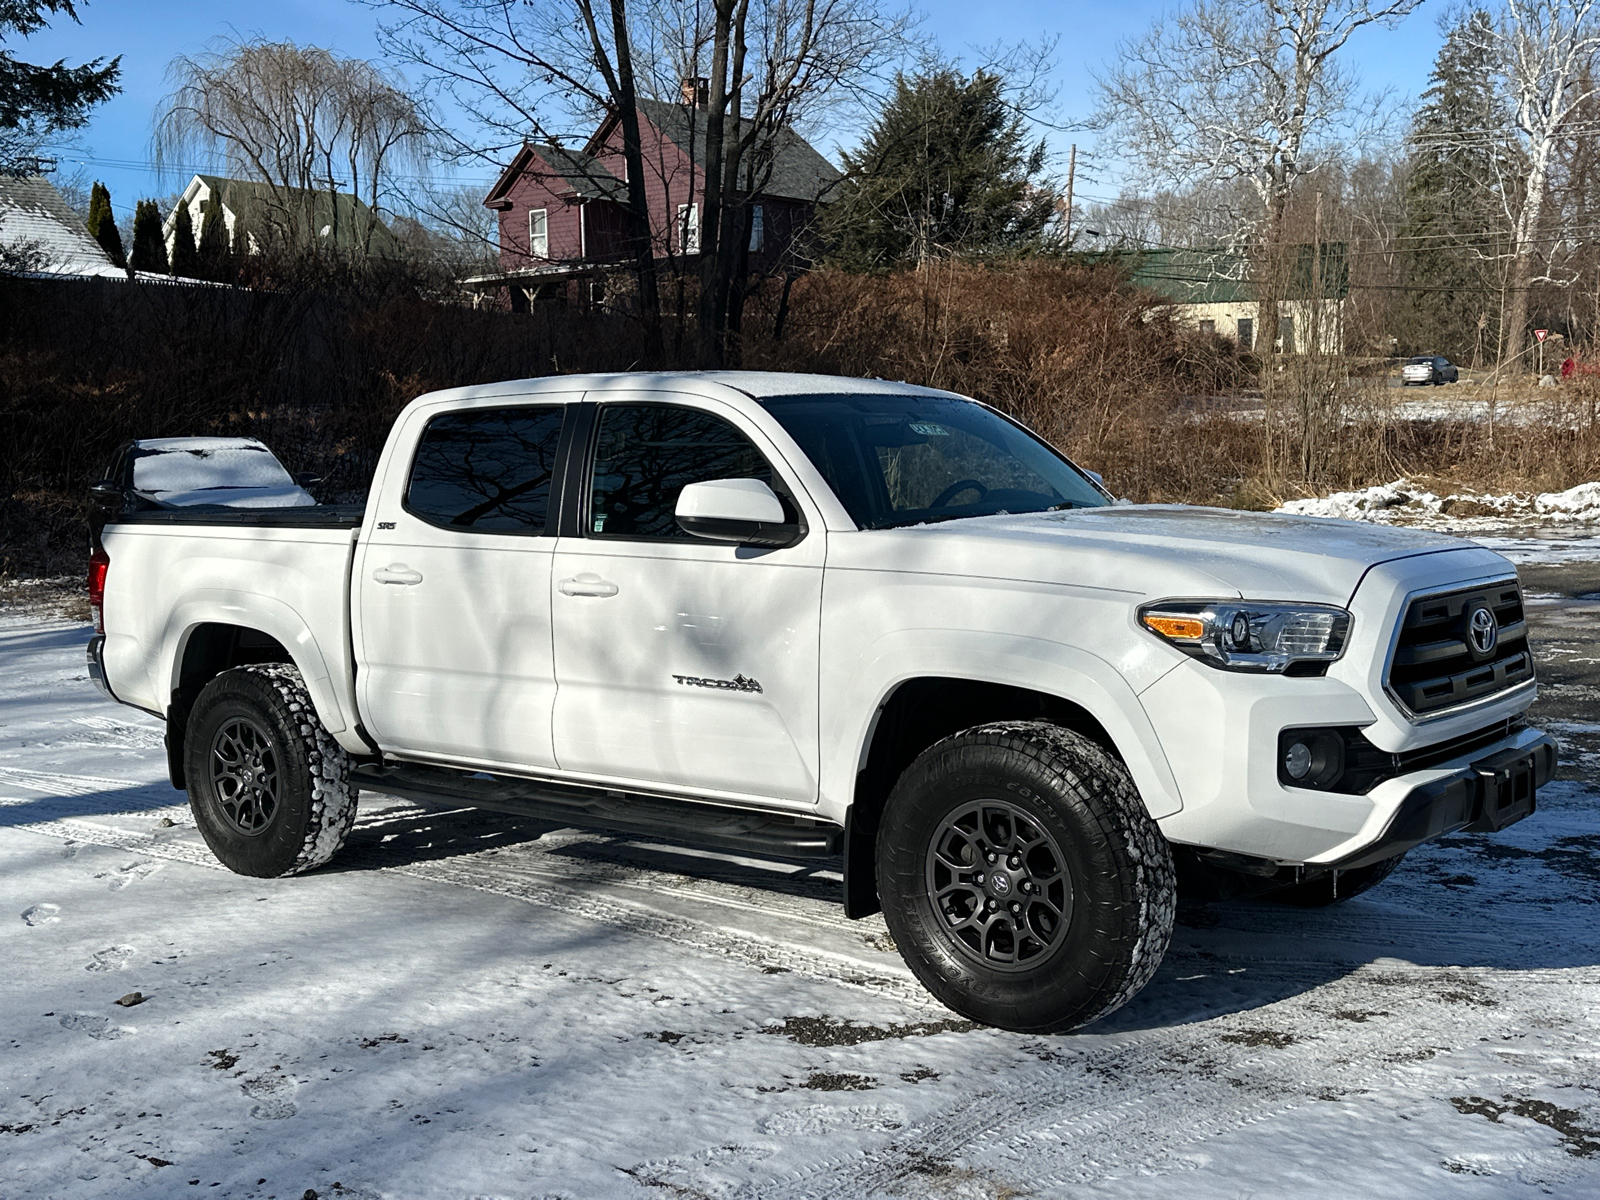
1208,328
758,230
539,233
1247,333
1286,334
689,228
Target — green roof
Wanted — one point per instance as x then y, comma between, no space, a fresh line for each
338,218
1220,276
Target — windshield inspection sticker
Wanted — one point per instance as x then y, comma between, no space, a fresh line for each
928,429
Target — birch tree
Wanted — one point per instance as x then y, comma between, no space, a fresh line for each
1250,90
1545,52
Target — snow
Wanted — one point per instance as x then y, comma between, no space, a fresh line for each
458,1007
1406,503
33,214
237,472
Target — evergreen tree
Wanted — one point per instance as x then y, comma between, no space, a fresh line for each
945,169
185,257
215,244
37,102
1453,237
102,224
149,247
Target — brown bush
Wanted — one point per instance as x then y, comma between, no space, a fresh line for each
318,361
1105,373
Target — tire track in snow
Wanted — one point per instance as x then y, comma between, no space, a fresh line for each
53,783
593,899
665,910
1137,1106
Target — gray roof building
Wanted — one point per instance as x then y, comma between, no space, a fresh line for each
798,171
39,228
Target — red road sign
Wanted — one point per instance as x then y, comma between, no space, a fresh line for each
1541,334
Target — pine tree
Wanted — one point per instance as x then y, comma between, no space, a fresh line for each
215,244
149,247
946,168
185,257
1453,234
102,224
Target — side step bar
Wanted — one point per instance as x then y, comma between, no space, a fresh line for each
709,826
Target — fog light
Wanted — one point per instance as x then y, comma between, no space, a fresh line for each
1310,758
1297,762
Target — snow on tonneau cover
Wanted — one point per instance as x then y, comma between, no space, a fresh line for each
235,472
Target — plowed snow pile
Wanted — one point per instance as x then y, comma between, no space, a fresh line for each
1405,503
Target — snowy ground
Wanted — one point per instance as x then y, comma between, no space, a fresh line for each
461,1008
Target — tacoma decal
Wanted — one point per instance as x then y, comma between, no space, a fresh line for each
737,684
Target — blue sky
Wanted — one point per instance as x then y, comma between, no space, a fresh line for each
149,34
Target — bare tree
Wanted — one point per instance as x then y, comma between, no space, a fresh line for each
298,119
1250,91
1545,52
548,72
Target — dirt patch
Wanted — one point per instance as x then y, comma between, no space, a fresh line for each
1259,1037
840,1081
825,1031
1580,1140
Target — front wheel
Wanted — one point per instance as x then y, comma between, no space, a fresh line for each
269,786
1022,878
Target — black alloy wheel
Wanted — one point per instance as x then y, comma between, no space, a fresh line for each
1001,884
244,775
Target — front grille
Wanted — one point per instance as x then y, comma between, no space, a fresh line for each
1436,664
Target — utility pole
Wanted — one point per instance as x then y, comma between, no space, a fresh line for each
1072,171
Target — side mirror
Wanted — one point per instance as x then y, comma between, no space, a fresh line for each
307,479
744,511
1100,480
106,492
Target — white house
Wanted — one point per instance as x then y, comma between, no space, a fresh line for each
336,219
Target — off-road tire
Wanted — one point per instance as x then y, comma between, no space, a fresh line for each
311,807
1325,890
1123,889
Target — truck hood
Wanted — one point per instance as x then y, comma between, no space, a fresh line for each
1165,551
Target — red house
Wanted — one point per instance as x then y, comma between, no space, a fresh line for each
561,211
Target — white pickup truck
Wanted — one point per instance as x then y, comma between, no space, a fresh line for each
832,618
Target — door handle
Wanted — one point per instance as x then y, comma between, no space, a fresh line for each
587,585
397,573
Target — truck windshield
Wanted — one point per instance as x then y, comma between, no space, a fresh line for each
909,460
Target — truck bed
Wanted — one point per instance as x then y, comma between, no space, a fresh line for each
320,516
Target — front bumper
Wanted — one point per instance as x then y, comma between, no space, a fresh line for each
1483,797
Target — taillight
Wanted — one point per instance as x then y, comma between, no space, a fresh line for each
99,564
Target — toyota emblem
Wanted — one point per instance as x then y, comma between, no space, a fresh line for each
1483,631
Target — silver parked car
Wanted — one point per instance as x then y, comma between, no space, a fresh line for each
1428,368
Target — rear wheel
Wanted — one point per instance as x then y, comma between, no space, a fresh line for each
269,786
1337,886
1022,878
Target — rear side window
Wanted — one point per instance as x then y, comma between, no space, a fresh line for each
645,455
487,470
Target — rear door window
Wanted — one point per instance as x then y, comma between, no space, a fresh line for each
487,470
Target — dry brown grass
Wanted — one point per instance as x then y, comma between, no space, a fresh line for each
319,367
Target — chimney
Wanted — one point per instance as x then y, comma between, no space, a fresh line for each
696,92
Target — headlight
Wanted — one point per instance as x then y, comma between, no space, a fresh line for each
1242,635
